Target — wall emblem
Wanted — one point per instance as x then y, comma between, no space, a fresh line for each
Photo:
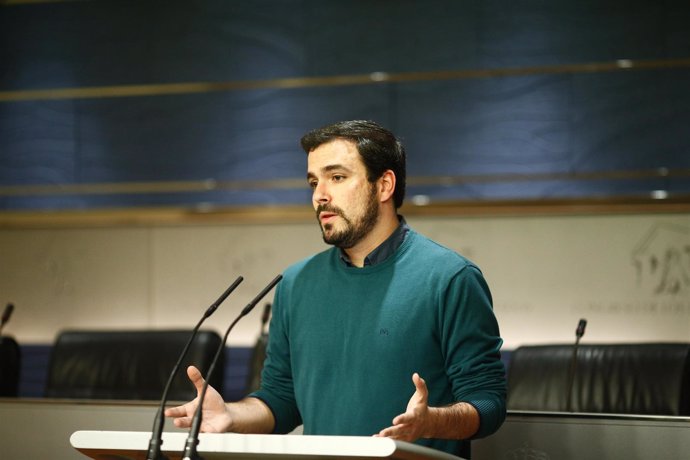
662,260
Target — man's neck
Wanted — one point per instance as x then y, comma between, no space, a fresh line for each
384,228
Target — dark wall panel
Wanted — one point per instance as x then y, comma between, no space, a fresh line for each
528,114
358,37
486,126
636,120
37,142
535,32
112,42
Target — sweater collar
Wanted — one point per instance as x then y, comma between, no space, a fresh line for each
385,249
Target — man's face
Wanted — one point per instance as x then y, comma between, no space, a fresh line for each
346,203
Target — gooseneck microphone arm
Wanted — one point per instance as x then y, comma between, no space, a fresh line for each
265,316
190,451
154,452
9,308
579,332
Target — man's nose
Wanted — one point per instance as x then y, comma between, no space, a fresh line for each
320,194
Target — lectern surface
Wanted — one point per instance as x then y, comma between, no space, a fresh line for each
132,445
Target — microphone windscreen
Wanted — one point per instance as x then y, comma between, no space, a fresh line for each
7,313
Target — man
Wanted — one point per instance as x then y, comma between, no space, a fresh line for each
385,334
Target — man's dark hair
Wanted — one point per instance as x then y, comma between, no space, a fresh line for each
377,146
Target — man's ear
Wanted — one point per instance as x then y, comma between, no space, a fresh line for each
386,185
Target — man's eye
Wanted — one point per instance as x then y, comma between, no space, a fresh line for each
312,184
338,178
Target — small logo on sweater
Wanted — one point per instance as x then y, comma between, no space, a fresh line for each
383,331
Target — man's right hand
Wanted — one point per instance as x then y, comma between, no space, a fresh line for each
215,415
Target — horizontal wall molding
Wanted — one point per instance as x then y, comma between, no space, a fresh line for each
337,80
34,2
147,187
160,216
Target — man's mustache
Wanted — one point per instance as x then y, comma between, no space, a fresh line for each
328,208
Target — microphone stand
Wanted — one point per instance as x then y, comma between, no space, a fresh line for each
190,450
9,308
579,332
156,441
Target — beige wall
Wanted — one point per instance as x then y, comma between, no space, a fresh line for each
629,275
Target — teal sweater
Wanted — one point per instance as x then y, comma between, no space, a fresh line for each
345,341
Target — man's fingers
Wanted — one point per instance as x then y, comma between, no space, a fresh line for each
402,419
178,411
195,376
183,422
421,391
394,432
419,382
383,433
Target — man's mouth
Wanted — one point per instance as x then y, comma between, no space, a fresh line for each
326,217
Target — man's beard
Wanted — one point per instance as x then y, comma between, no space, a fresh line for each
353,232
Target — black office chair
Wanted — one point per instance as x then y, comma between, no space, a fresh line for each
132,365
258,354
635,378
10,362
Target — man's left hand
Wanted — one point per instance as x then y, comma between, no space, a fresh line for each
413,424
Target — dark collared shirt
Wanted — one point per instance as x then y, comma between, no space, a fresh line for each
385,249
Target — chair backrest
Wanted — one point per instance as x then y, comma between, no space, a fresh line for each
10,361
131,365
258,353
256,363
642,378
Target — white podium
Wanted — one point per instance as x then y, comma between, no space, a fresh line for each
133,445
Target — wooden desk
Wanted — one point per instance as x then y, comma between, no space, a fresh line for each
124,445
566,436
41,428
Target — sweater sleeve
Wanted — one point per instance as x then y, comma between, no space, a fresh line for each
277,389
471,345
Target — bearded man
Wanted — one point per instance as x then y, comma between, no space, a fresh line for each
387,333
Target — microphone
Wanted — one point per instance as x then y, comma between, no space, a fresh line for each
9,308
190,452
579,332
265,316
156,441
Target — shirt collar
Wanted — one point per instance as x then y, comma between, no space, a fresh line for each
385,249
